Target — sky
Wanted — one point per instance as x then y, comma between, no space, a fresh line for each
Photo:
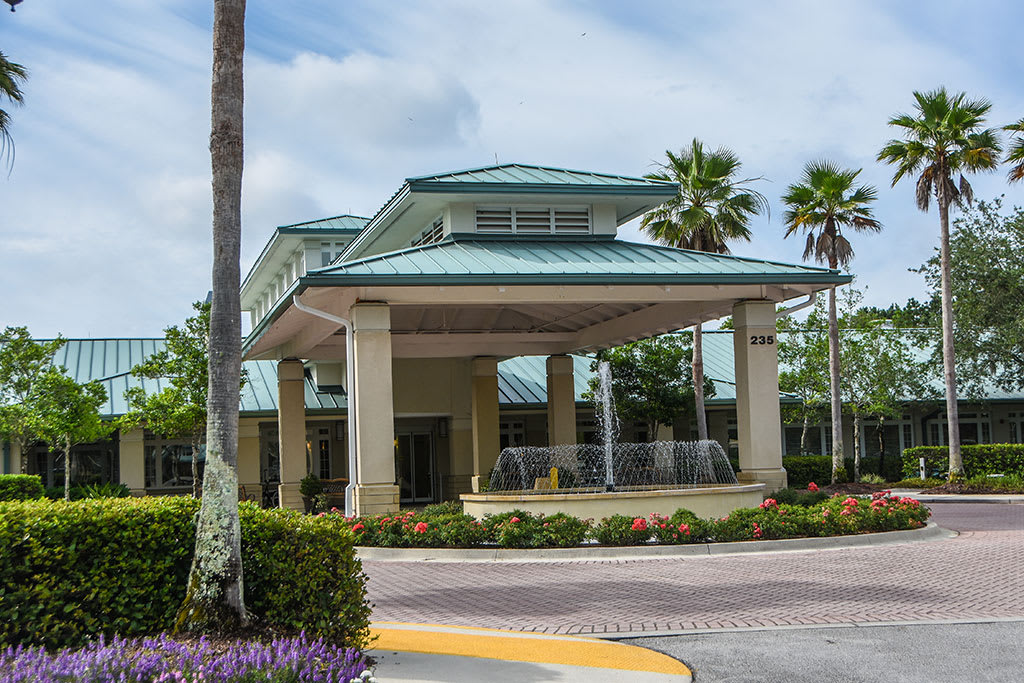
105,217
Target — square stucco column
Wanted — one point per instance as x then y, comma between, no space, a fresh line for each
561,401
485,417
131,455
757,394
374,410
291,430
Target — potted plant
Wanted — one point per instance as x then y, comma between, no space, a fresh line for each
310,487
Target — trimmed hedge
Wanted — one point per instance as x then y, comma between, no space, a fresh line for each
989,458
72,571
803,469
20,487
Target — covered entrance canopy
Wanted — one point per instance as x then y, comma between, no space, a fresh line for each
470,298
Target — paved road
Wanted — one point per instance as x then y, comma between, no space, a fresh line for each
974,576
866,654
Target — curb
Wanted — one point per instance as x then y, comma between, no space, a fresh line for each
931,532
1004,500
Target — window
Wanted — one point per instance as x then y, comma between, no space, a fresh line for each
92,463
511,435
168,463
1016,421
892,438
432,234
529,220
329,251
975,428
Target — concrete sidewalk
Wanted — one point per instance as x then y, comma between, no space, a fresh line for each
924,496
428,653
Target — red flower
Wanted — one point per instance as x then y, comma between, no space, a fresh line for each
812,486
768,503
358,527
639,524
421,527
684,528
514,520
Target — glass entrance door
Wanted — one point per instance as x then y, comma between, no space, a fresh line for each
414,465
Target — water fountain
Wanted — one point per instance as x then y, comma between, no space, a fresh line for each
597,480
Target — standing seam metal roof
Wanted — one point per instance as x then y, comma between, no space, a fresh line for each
533,175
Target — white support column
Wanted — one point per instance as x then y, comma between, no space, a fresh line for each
757,394
291,430
561,401
131,455
375,409
486,434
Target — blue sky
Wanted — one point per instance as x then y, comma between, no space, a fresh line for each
105,219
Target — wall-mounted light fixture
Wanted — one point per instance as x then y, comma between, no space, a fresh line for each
442,428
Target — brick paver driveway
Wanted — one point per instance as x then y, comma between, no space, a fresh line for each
978,575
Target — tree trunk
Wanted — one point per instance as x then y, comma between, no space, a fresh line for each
956,464
67,469
881,446
837,402
856,446
805,432
698,382
214,598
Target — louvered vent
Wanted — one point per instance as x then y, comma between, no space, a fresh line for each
494,220
521,220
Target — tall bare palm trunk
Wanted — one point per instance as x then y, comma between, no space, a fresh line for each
956,464
837,400
214,598
698,382
856,446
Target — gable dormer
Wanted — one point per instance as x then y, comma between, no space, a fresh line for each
293,251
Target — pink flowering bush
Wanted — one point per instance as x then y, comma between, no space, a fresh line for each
622,530
682,527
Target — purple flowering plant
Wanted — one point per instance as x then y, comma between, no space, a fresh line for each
162,659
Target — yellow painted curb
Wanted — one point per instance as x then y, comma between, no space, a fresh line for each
523,647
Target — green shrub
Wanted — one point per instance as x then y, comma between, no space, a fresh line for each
990,458
803,469
20,487
794,496
71,571
448,507
310,485
623,530
515,529
918,483
564,531
682,527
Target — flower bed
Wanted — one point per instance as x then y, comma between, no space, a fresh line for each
836,516
296,660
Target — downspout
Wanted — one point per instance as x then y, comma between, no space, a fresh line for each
349,396
811,298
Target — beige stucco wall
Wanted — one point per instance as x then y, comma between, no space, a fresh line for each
706,502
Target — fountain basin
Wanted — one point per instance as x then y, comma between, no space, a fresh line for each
704,501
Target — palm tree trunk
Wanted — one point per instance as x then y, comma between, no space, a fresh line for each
856,446
698,382
956,464
214,596
837,401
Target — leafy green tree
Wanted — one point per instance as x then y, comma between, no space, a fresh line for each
987,284
881,371
821,204
713,207
803,369
24,363
214,601
1015,155
69,415
12,76
651,380
179,410
945,137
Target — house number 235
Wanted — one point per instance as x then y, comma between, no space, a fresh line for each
762,339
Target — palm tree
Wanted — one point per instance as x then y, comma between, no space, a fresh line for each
945,137
1016,153
11,77
214,598
712,208
822,203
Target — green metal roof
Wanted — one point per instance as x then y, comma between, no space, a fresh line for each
470,259
344,223
525,177
523,380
